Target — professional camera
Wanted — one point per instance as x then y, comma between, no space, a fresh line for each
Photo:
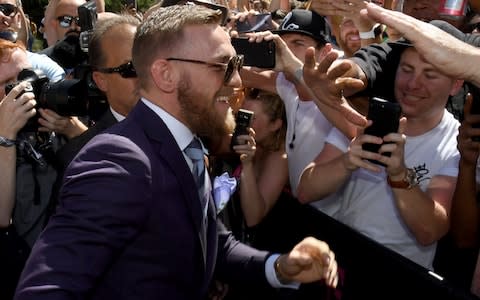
69,97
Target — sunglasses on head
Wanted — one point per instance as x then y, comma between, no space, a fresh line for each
8,10
234,63
66,21
126,70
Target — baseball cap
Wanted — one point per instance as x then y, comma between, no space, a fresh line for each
305,22
443,25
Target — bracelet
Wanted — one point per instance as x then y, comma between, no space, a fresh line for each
6,142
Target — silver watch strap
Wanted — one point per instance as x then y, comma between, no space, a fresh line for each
5,142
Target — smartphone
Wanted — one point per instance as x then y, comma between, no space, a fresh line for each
385,118
261,55
252,23
243,120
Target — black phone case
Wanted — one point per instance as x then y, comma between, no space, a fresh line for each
243,121
385,117
261,55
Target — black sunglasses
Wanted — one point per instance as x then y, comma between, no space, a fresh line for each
66,21
8,10
126,70
235,63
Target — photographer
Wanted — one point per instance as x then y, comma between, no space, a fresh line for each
14,26
27,174
113,74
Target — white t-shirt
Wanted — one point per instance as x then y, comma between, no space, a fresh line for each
307,129
367,201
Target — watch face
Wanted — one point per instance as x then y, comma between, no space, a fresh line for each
411,177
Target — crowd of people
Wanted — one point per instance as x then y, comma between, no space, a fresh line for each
115,143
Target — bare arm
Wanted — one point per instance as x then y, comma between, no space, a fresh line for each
425,213
259,192
451,56
14,114
323,176
465,211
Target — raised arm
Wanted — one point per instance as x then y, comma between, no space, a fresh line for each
450,55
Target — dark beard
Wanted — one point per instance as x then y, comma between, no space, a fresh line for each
204,121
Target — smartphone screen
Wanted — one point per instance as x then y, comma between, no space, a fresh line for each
261,55
243,120
385,118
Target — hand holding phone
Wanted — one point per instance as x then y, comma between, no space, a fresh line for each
385,118
261,55
243,120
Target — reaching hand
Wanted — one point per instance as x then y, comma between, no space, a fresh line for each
327,80
310,260
448,54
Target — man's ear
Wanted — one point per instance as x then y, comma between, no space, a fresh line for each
100,81
164,76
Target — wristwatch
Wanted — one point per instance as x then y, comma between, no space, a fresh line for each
4,142
365,35
408,182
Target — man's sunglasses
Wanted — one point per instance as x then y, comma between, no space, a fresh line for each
126,70
235,63
8,10
66,21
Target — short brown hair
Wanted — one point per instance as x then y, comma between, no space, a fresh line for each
163,31
97,57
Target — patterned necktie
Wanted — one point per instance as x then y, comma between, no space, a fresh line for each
195,152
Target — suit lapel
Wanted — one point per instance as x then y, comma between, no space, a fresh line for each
167,149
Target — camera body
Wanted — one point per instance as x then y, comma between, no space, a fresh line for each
69,97
243,121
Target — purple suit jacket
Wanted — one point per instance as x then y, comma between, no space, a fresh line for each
128,225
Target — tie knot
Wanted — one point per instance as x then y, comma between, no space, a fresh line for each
194,150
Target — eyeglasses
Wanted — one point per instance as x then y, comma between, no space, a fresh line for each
126,70
235,63
8,10
66,21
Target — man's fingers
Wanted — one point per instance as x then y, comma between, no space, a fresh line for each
353,85
327,61
309,59
339,70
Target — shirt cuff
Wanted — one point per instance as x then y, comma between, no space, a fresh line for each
272,275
